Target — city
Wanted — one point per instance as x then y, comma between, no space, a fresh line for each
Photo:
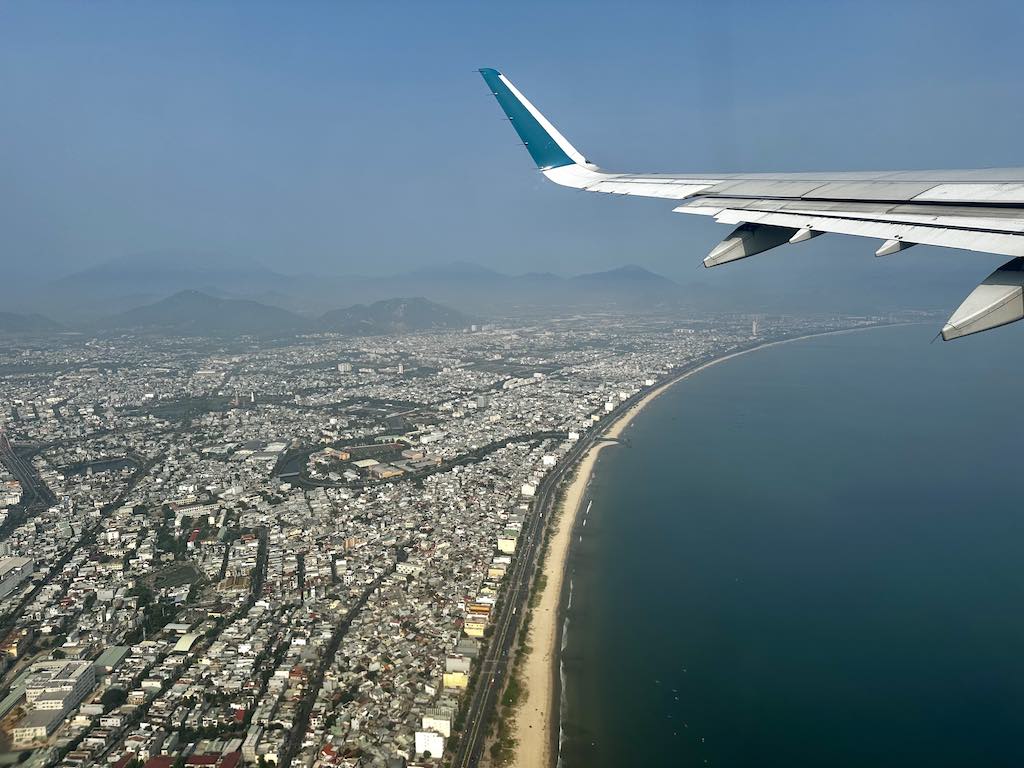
295,552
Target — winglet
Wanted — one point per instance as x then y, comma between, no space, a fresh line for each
548,148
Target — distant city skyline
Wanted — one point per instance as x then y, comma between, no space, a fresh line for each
352,139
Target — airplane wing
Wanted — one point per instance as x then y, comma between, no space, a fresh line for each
976,210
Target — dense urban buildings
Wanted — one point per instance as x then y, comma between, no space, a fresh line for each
291,552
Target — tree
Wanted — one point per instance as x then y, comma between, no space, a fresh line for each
113,698
141,591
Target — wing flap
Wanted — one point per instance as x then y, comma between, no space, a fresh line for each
1005,243
974,193
987,219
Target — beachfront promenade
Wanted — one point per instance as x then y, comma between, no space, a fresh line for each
491,676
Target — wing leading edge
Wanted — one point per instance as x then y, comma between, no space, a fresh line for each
975,210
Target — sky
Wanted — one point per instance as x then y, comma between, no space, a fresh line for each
354,137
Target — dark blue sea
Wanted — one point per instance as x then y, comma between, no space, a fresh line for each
812,555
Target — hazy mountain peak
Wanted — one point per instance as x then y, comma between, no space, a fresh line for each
400,315
630,272
163,262
13,322
193,312
457,268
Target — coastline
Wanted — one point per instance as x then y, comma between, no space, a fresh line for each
536,735
538,716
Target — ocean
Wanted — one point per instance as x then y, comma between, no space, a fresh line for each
811,555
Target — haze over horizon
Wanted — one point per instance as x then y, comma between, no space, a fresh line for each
359,140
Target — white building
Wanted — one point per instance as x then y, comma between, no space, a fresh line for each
507,542
13,571
52,689
59,685
438,720
456,664
429,744
35,726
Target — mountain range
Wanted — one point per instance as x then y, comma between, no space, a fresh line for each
393,316
13,322
123,284
193,313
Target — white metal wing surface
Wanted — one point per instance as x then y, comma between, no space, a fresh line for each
976,210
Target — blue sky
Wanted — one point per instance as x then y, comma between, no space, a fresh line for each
357,137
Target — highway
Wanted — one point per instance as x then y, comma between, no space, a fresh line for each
36,493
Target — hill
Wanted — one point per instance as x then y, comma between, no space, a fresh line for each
170,271
477,289
123,284
192,313
392,316
626,285
12,322
629,275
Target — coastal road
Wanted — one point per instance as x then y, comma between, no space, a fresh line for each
494,666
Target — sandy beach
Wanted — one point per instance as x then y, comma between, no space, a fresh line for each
533,715
533,719
533,726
